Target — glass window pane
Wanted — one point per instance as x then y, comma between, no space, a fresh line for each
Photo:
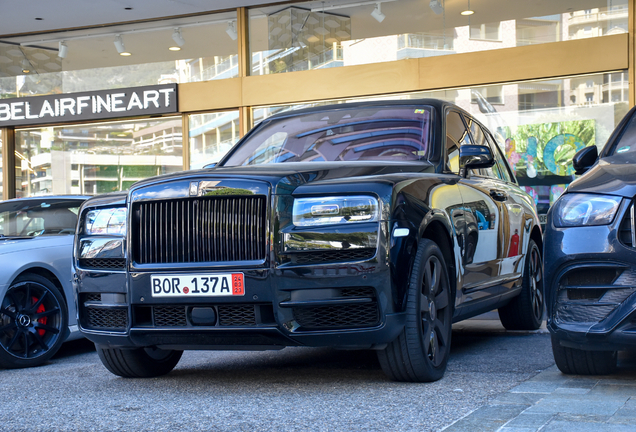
211,136
317,35
96,158
179,50
538,126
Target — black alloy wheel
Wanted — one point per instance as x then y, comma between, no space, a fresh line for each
33,321
525,312
421,352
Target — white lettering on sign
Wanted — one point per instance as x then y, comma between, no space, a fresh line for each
27,111
82,102
151,96
47,109
67,104
135,102
115,101
65,107
101,103
16,110
166,94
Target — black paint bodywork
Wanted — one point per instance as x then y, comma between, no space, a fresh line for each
423,197
590,270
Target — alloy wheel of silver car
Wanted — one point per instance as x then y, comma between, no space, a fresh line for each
33,318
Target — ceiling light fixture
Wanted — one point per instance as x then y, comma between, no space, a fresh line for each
26,66
178,39
119,44
231,31
377,13
468,11
436,7
62,50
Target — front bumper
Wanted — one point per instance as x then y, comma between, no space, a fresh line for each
350,303
590,275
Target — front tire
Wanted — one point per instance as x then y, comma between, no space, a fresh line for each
139,362
525,312
572,361
420,353
33,322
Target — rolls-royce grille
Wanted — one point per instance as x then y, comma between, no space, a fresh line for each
202,229
103,263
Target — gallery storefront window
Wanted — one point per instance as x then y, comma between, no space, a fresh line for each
211,136
539,124
96,158
178,50
318,35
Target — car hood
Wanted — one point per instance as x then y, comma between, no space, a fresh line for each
286,177
613,175
9,245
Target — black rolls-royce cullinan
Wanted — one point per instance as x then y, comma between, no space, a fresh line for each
370,225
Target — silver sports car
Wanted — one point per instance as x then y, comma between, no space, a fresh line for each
37,311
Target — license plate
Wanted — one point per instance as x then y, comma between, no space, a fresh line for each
543,218
198,285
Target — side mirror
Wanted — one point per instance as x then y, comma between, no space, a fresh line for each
475,157
584,159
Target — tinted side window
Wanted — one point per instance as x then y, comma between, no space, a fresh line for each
456,136
502,167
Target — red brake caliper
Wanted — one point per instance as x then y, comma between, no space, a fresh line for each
42,320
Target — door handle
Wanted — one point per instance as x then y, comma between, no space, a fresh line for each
498,195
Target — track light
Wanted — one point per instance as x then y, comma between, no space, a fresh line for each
468,10
62,50
119,44
178,39
377,13
231,31
26,66
436,6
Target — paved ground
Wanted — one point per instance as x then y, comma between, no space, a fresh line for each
553,402
296,389
496,381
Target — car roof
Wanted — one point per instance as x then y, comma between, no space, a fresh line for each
48,198
436,103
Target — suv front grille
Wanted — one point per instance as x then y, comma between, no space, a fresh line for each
98,318
227,315
332,256
590,294
200,229
341,315
103,263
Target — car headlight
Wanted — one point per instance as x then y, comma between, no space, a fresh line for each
335,210
106,221
585,209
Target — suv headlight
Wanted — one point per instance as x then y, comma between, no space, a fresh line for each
335,210
107,221
580,209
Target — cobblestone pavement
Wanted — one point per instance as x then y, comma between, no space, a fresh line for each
554,402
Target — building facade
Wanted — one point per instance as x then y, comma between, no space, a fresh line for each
547,77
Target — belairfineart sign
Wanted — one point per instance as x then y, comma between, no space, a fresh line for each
97,105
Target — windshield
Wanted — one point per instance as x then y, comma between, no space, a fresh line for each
627,141
30,218
343,134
